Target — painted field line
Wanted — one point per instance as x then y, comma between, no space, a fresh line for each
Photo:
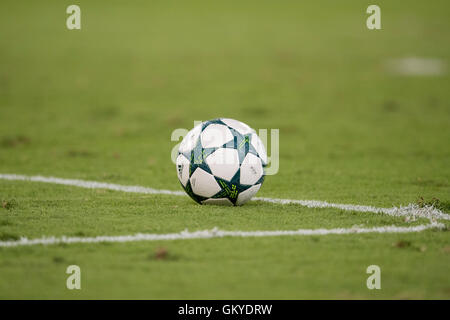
214,233
411,211
89,184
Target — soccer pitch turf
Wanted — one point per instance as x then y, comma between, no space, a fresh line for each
100,104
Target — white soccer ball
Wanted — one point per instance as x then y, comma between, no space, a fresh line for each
221,161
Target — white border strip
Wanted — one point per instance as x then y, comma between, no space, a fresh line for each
214,233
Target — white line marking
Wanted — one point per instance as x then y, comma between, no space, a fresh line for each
214,233
89,184
410,212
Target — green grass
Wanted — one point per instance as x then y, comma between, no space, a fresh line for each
100,104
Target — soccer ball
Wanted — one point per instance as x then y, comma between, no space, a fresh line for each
222,162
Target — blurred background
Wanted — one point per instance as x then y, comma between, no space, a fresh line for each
364,118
